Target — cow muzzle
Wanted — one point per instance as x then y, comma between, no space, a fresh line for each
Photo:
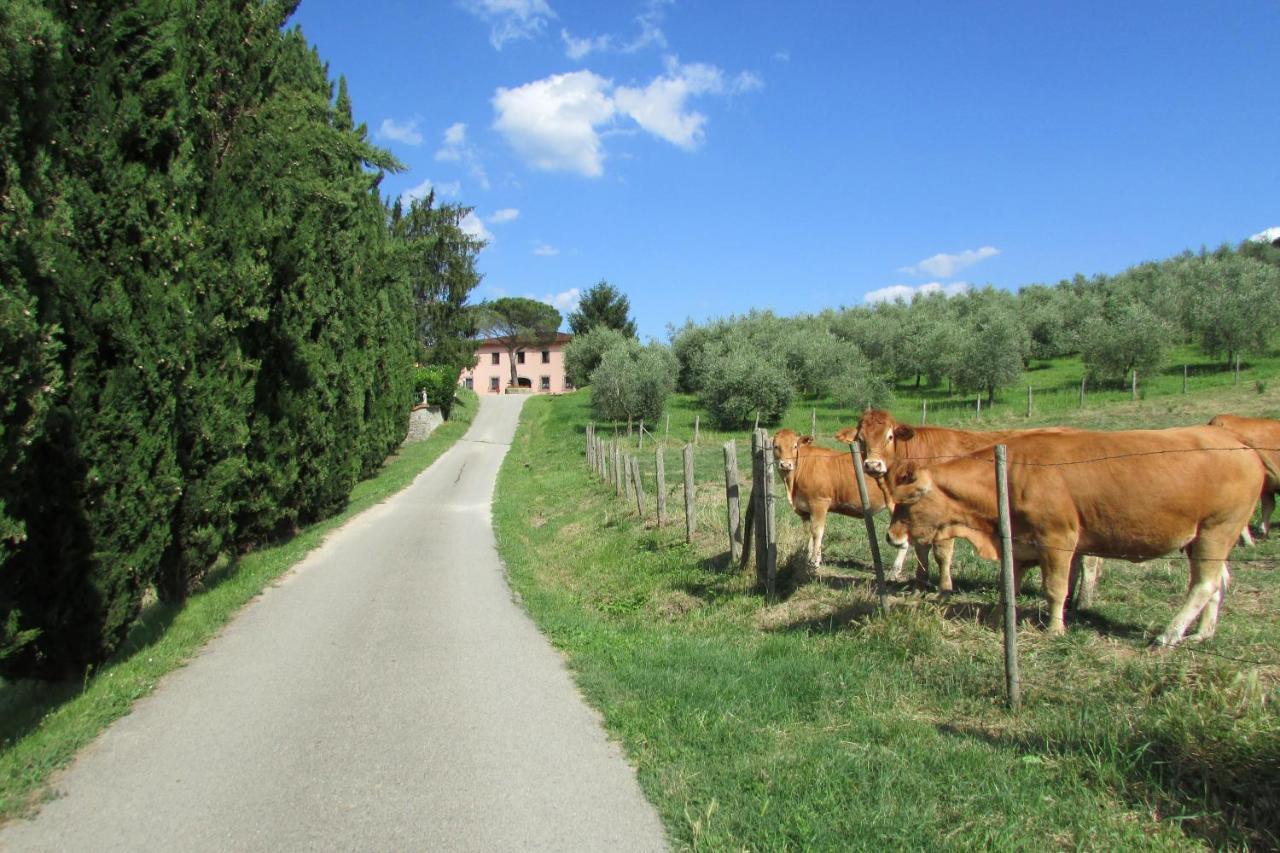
875,467
786,464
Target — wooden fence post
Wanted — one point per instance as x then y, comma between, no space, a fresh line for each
689,507
661,499
731,496
770,552
856,450
591,439
641,435
601,470
628,476
979,404
666,436
1012,686
1135,383
1184,378
1028,401
813,424
757,425
1082,379
758,439
697,419
924,412
1237,382
617,468
635,475
628,427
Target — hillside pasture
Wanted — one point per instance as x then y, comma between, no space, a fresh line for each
809,721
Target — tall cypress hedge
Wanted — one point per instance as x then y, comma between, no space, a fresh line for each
206,326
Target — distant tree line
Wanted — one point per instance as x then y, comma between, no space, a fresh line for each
1226,301
208,315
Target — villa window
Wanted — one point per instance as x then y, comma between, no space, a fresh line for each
546,356
493,358
520,357
493,383
544,384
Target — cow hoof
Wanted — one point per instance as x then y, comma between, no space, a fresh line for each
1164,642
1199,637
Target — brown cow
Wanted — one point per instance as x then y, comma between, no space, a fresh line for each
1263,435
884,441
1131,495
818,481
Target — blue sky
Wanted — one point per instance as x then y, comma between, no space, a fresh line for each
712,157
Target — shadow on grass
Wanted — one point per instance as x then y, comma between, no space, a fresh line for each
24,704
1226,797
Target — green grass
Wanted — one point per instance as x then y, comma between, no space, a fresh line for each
808,722
43,725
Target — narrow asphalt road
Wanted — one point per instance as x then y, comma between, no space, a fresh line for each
386,695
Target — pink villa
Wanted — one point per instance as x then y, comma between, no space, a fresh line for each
539,369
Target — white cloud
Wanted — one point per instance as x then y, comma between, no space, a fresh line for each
943,265
557,123
565,300
660,107
649,23
509,20
906,292
576,48
500,217
782,55
407,132
545,251
473,227
448,190
552,122
454,149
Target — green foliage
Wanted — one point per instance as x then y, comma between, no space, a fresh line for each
602,305
739,383
516,323
633,382
582,355
439,259
1124,338
439,383
1232,302
208,323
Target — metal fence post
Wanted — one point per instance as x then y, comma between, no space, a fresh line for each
732,500
1012,686
689,507
860,476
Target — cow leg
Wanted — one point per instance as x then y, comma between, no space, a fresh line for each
1206,583
943,551
1055,577
1209,616
899,560
1090,569
1268,507
817,527
1246,538
922,563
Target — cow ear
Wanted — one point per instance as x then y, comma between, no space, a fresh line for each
806,439
904,433
905,474
847,435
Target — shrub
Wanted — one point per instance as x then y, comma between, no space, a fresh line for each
582,355
439,383
633,383
737,383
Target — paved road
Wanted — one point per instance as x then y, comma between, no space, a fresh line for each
387,695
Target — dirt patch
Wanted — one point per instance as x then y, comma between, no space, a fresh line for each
675,605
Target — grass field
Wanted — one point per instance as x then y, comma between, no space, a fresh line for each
42,725
810,722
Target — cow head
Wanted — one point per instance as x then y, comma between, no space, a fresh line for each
786,448
917,514
879,435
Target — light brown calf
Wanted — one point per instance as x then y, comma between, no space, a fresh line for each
1131,495
885,441
1263,435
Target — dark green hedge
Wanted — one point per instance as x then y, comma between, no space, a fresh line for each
206,327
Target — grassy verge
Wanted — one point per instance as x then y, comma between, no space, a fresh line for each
43,725
807,722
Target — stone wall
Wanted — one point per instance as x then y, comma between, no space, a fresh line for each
422,421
